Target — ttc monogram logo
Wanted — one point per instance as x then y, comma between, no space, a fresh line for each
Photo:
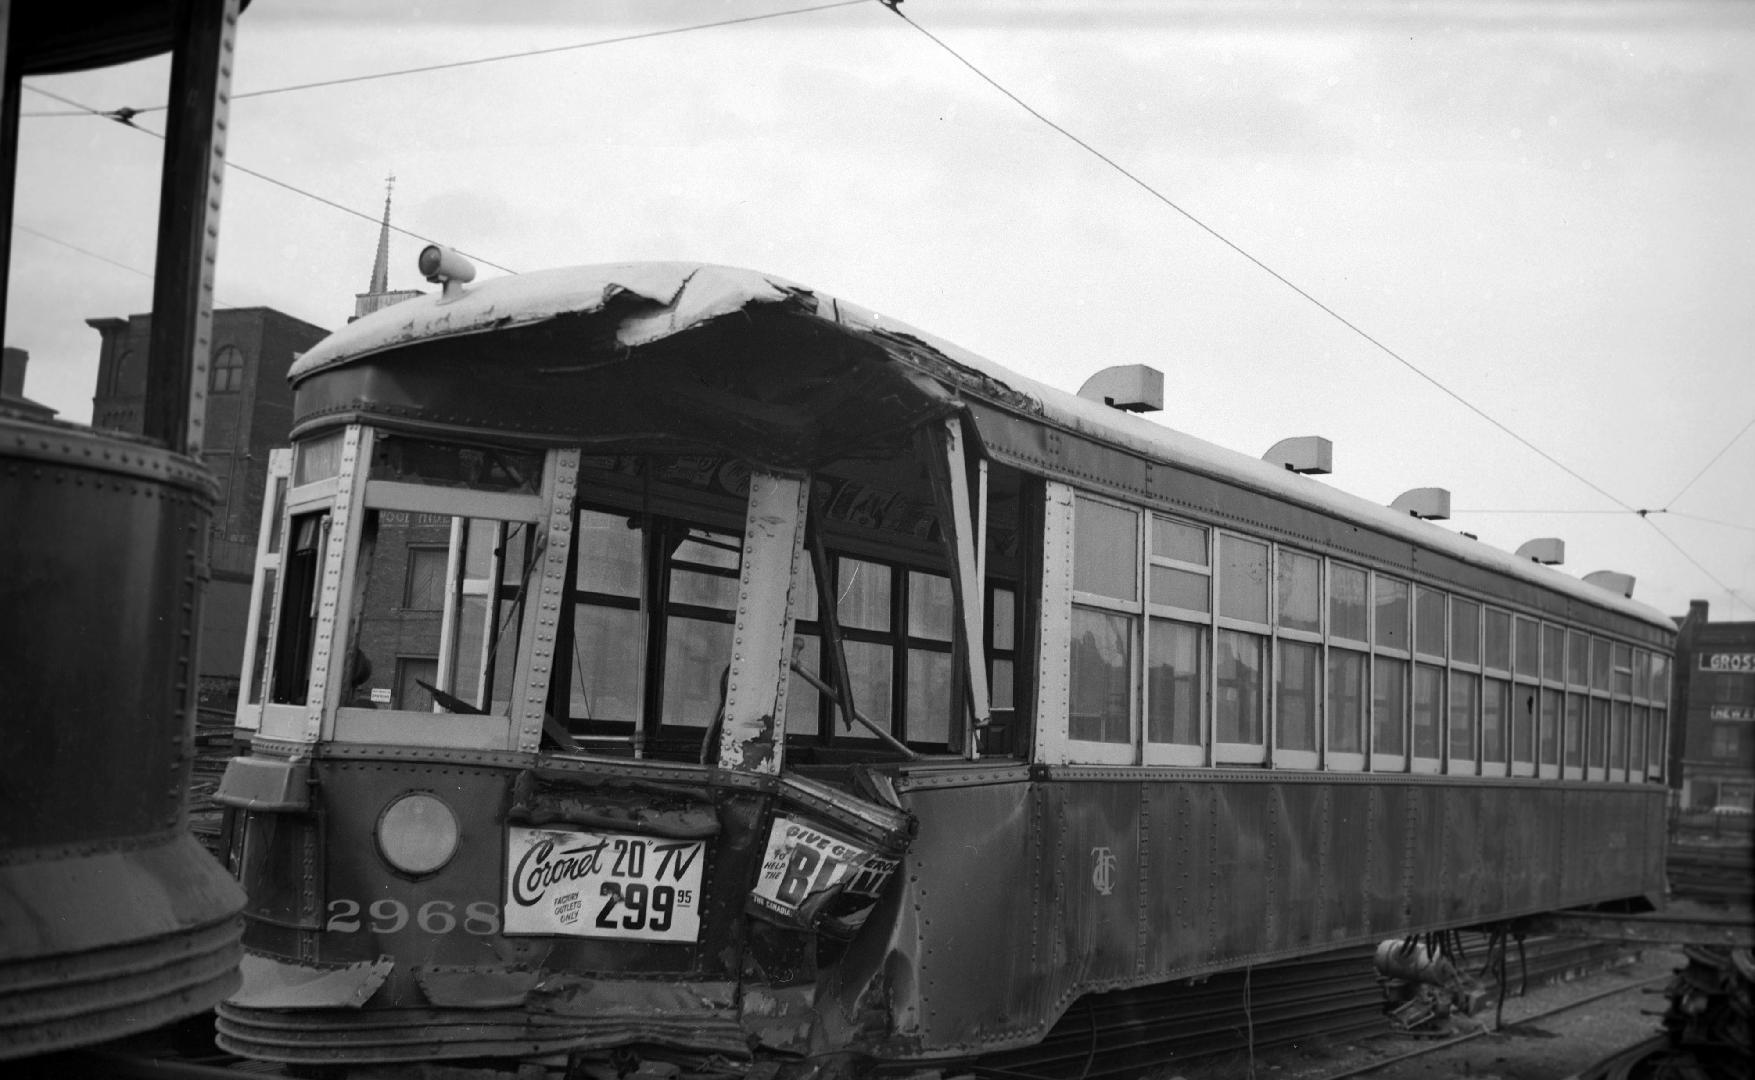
1103,870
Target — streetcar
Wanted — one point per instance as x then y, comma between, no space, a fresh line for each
673,663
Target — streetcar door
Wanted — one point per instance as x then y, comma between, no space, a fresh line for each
253,678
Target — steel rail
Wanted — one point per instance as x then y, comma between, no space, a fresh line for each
1421,1051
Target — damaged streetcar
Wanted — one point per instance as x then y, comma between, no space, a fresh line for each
671,660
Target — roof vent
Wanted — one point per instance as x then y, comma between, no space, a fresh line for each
1427,504
1548,550
1613,580
1305,454
1129,387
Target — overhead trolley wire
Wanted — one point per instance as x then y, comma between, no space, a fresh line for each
126,119
479,60
1625,507
88,253
1714,461
1275,274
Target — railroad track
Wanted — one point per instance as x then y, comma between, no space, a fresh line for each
1332,997
1717,873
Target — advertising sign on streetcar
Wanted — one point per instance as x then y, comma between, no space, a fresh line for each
803,862
606,885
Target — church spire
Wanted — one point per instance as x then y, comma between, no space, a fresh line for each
380,295
381,265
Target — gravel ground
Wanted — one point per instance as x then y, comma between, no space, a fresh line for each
1534,1044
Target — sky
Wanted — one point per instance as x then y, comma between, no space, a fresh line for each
1507,249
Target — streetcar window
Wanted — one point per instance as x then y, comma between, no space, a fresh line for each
1498,640
1656,746
1243,579
1428,700
1524,718
930,698
1597,736
804,703
296,635
1549,742
1389,678
1636,746
1105,550
1597,740
1178,641
1553,653
437,611
1465,631
1529,648
1179,541
1496,721
1390,634
317,459
702,609
1348,621
1391,631
1297,696
1300,592
1176,682
1429,621
1102,659
1527,733
864,606
1346,702
1241,651
1002,736
605,664
1501,724
1620,717
1346,604
1105,620
435,464
1240,667
1465,694
1572,733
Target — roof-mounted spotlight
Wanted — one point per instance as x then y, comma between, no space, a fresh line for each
446,268
1306,454
1612,580
1129,387
1427,504
1547,550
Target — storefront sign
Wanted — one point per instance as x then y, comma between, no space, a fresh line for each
1728,663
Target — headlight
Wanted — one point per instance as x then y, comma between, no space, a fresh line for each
417,833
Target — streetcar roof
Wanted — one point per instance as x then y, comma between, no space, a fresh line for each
680,296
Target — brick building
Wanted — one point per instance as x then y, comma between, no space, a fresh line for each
1713,753
249,412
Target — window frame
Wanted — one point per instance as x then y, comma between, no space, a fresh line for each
1462,673
1379,760
1094,751
1501,678
1173,753
1360,650
1245,753
1526,682
1279,755
1435,662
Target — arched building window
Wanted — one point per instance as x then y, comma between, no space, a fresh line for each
227,375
